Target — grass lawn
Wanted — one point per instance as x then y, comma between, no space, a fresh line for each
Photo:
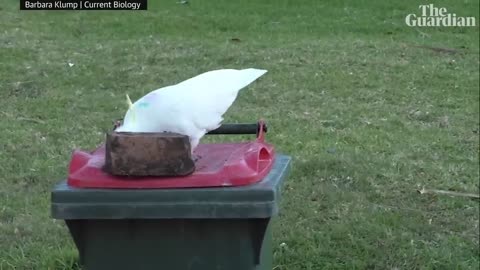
366,106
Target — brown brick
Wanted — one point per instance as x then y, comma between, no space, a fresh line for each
148,154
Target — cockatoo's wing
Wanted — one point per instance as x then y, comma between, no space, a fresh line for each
192,107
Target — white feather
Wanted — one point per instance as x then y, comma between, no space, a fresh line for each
192,107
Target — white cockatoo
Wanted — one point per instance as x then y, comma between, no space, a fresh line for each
192,107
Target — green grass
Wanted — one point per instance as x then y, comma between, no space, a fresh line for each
368,116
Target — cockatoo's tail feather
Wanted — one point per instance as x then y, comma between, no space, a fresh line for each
192,107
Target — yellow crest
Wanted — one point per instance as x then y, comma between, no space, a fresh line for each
130,107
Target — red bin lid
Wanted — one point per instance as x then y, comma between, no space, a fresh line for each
221,165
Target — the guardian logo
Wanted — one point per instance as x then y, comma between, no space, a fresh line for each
431,16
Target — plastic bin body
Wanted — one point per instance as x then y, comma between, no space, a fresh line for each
173,229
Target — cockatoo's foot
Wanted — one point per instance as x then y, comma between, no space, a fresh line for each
193,144
196,158
117,123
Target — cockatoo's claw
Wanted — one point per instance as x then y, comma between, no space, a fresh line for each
117,124
196,158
